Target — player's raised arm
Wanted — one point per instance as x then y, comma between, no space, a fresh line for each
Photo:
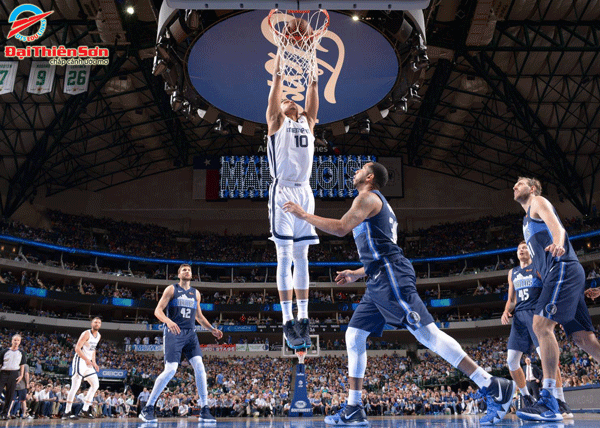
274,114
510,302
312,104
159,312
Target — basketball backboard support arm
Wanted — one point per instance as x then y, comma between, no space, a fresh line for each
300,4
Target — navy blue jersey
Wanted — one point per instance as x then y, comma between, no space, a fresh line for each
538,237
527,287
182,307
376,237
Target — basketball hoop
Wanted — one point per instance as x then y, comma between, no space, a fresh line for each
297,46
301,355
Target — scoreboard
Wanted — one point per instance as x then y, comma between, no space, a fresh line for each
248,177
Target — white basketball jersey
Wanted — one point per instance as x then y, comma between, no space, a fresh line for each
89,347
290,151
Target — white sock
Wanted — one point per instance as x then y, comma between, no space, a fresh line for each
354,397
524,390
302,308
481,378
559,393
550,385
286,310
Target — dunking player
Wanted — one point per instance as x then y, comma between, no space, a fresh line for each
561,299
524,288
391,297
85,367
182,303
290,152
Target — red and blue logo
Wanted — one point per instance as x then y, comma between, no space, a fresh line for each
20,25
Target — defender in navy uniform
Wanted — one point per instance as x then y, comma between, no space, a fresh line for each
391,297
562,297
182,303
524,287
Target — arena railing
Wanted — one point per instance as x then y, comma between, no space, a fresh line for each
418,262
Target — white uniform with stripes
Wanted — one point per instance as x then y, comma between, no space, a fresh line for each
80,367
290,152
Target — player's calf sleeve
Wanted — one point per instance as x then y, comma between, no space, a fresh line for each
161,382
200,375
440,343
356,345
513,360
284,267
300,257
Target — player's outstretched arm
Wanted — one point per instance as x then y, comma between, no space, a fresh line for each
274,114
362,207
347,276
312,104
204,322
510,302
159,312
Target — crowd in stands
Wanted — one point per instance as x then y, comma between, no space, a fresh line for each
147,240
244,386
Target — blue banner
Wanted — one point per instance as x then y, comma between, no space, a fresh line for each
144,348
112,373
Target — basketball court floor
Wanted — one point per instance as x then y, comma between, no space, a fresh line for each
511,421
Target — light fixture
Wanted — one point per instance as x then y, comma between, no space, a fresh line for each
130,10
160,66
168,88
355,17
163,47
364,126
221,127
176,100
192,19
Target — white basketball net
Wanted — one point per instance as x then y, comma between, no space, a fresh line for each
298,65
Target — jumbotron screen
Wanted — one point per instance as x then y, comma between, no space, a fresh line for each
247,177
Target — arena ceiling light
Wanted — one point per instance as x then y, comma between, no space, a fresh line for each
300,4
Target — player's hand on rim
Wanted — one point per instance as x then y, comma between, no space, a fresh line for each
173,327
555,250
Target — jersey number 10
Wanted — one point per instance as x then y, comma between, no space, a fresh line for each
301,140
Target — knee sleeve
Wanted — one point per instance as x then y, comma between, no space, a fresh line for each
356,345
440,343
93,381
513,360
300,257
284,267
170,369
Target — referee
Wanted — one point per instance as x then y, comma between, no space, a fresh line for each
13,361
